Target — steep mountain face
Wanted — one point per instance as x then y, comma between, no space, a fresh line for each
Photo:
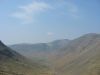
39,50
80,57
6,53
12,63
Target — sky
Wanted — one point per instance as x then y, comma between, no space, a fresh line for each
39,21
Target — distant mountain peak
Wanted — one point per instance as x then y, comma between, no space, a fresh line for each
59,41
92,35
89,36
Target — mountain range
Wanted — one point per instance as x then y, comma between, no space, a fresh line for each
39,50
80,56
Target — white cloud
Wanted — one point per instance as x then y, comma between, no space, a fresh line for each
50,33
28,12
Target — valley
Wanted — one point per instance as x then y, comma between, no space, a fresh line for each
80,56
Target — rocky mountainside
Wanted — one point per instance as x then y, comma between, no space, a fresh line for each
12,63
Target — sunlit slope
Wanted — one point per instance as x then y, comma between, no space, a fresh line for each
80,57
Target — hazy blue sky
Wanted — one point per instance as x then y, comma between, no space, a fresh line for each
34,21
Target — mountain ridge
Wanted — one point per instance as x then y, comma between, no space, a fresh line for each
79,57
39,49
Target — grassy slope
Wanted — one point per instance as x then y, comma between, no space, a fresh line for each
15,67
